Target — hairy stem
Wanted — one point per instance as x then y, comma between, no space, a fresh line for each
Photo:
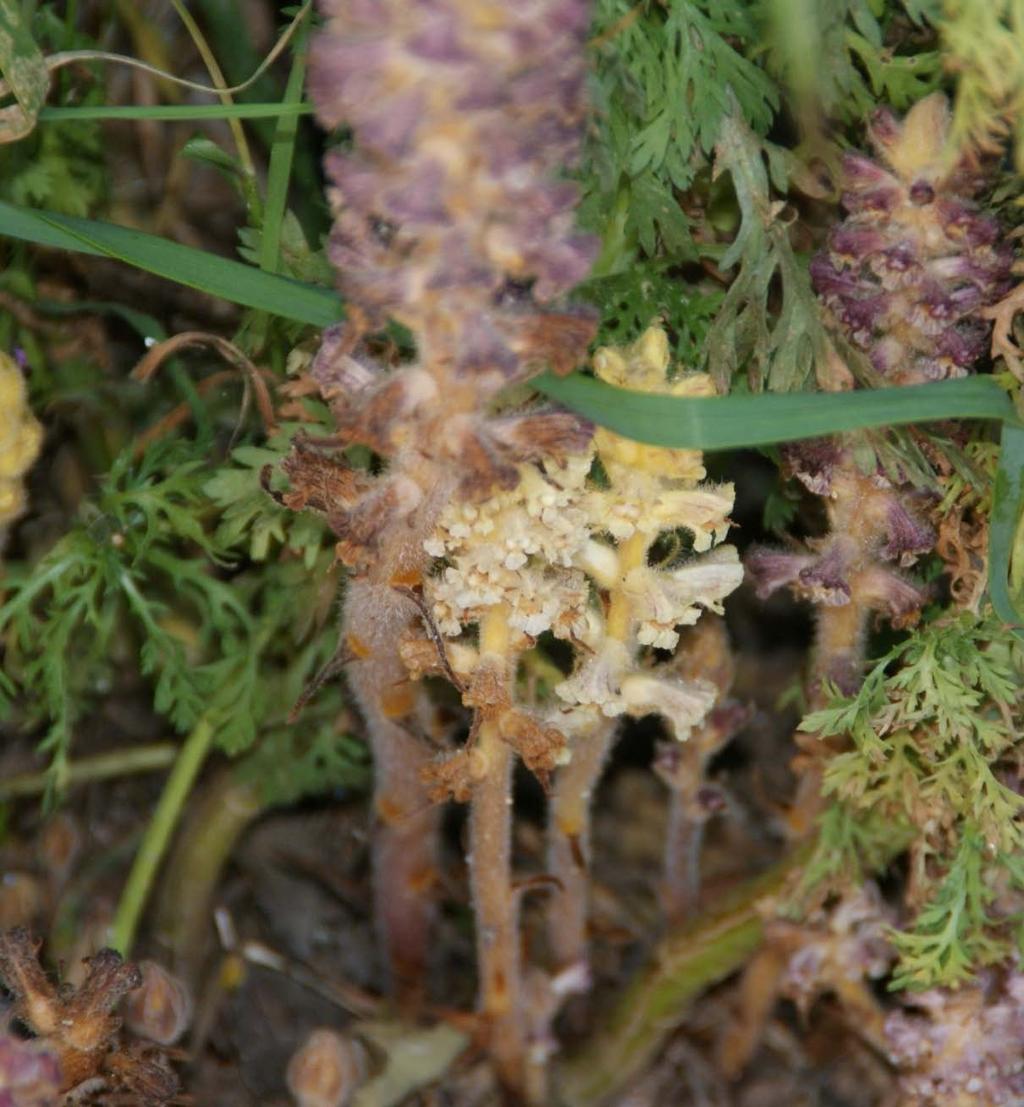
839,647
569,843
494,900
376,615
405,835
404,861
569,821
837,660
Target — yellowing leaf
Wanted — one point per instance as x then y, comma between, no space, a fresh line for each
25,75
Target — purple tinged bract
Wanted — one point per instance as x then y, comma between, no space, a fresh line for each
30,1074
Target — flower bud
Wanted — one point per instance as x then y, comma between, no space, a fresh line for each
161,1009
326,1069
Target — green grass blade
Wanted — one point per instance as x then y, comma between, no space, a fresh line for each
282,151
230,280
1007,503
175,113
731,422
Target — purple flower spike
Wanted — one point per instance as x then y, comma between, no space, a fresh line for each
907,273
963,344
884,130
854,242
813,462
884,590
960,1046
460,138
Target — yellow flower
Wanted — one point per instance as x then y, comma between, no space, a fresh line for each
20,439
643,367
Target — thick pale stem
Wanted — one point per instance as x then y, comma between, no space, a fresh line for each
632,555
569,821
683,842
376,615
494,900
685,964
158,835
569,843
87,770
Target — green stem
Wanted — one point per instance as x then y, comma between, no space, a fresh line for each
217,77
87,770
223,812
158,834
615,246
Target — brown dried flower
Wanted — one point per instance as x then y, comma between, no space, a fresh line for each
79,1028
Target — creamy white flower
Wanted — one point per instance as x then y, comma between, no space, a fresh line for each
601,562
539,517
683,703
516,548
664,599
548,600
598,680
638,502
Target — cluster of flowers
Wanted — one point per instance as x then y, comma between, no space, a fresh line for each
20,439
543,548
904,277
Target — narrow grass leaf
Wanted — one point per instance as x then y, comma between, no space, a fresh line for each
282,151
172,113
217,276
731,422
1007,504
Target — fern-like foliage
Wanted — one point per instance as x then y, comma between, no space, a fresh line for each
840,58
935,734
984,45
780,345
628,303
140,579
665,76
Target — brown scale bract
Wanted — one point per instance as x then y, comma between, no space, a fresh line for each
542,747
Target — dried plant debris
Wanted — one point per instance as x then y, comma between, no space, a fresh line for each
77,1052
